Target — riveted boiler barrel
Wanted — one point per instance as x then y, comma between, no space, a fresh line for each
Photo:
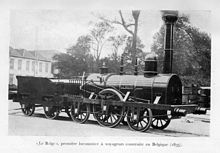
167,88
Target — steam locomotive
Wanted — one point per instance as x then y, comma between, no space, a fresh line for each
140,101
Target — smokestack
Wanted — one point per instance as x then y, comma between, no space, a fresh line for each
169,17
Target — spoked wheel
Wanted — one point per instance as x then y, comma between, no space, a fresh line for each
160,123
139,120
28,109
80,112
51,112
108,115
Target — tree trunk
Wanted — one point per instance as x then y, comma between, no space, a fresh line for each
134,42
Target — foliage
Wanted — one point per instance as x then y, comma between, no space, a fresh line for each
77,59
99,36
116,42
192,50
128,51
197,80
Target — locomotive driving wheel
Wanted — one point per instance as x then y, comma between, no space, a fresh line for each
160,123
139,119
51,112
108,115
80,112
160,119
28,109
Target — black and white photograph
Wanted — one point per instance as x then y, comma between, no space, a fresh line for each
95,78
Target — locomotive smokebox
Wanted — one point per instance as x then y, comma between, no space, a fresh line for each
169,17
150,68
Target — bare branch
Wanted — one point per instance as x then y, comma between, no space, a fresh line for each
132,24
124,24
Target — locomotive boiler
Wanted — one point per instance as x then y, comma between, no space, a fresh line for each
141,101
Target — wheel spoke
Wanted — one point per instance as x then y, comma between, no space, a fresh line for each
143,123
163,123
114,117
111,119
51,112
115,113
83,112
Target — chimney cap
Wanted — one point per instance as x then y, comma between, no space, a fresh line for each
169,16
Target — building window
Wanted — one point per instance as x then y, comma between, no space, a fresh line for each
12,61
11,78
27,65
19,64
40,67
46,67
33,66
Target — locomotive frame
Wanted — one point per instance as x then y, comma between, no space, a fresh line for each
106,110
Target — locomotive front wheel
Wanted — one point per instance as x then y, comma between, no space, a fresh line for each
80,113
160,124
108,115
139,123
28,109
51,112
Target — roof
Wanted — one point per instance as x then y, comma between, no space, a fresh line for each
22,53
48,53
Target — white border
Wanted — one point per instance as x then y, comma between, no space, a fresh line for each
27,144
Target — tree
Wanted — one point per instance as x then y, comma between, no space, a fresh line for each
192,50
128,53
99,36
128,28
77,59
116,42
135,14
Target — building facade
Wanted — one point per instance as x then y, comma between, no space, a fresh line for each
28,63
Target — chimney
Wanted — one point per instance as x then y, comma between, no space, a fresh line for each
169,17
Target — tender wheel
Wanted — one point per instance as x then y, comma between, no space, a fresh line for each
108,115
159,123
140,122
28,109
68,112
80,112
51,112
124,122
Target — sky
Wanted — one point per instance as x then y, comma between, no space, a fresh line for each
59,29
